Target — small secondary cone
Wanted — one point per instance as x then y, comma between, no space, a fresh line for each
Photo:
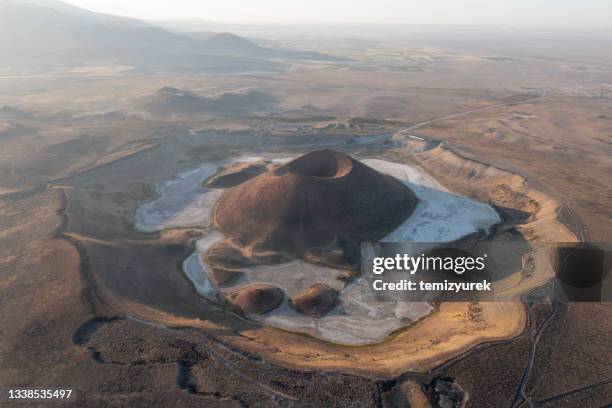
316,301
257,298
236,174
221,276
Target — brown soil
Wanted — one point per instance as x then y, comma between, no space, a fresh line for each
316,200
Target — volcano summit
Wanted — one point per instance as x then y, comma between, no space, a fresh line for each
320,198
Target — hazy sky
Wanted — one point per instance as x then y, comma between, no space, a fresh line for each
545,13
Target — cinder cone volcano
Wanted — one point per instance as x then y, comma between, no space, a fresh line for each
311,202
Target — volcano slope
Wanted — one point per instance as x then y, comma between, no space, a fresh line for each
321,200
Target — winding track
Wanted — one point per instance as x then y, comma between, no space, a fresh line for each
469,112
520,394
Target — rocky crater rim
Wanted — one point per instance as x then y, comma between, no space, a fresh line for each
326,164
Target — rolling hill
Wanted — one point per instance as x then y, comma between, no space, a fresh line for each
37,34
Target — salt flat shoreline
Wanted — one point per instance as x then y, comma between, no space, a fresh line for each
183,202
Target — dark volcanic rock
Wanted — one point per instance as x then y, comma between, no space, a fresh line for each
310,202
446,393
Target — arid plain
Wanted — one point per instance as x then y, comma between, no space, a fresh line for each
90,302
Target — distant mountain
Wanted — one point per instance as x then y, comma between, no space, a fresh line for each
227,41
12,113
81,12
49,33
173,101
10,131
